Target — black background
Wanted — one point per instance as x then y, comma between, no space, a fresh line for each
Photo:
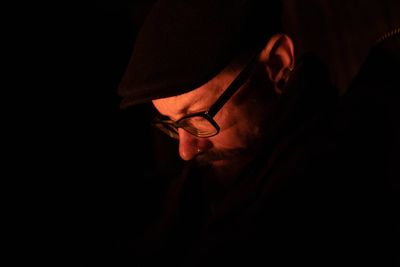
78,171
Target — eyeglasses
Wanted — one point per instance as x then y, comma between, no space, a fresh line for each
202,124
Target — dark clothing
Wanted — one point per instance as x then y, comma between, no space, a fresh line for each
367,132
265,210
322,191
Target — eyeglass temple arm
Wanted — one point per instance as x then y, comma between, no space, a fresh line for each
233,87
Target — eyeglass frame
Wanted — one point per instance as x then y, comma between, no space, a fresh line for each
215,108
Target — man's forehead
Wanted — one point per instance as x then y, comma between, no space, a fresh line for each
211,89
182,103
196,100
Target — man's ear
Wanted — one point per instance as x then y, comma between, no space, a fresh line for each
278,59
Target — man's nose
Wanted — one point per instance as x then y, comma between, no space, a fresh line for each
190,146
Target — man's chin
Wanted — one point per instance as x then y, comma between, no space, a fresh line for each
224,171
225,165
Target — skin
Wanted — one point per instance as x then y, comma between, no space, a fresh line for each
241,119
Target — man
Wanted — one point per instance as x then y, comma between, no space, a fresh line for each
254,124
185,75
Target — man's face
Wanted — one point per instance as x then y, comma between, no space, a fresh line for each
240,120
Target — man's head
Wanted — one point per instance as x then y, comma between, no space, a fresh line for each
187,55
185,43
222,122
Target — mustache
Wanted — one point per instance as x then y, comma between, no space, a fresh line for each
226,154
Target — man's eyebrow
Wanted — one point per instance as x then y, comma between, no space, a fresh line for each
190,107
214,89
181,112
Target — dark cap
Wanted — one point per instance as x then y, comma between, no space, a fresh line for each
185,43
